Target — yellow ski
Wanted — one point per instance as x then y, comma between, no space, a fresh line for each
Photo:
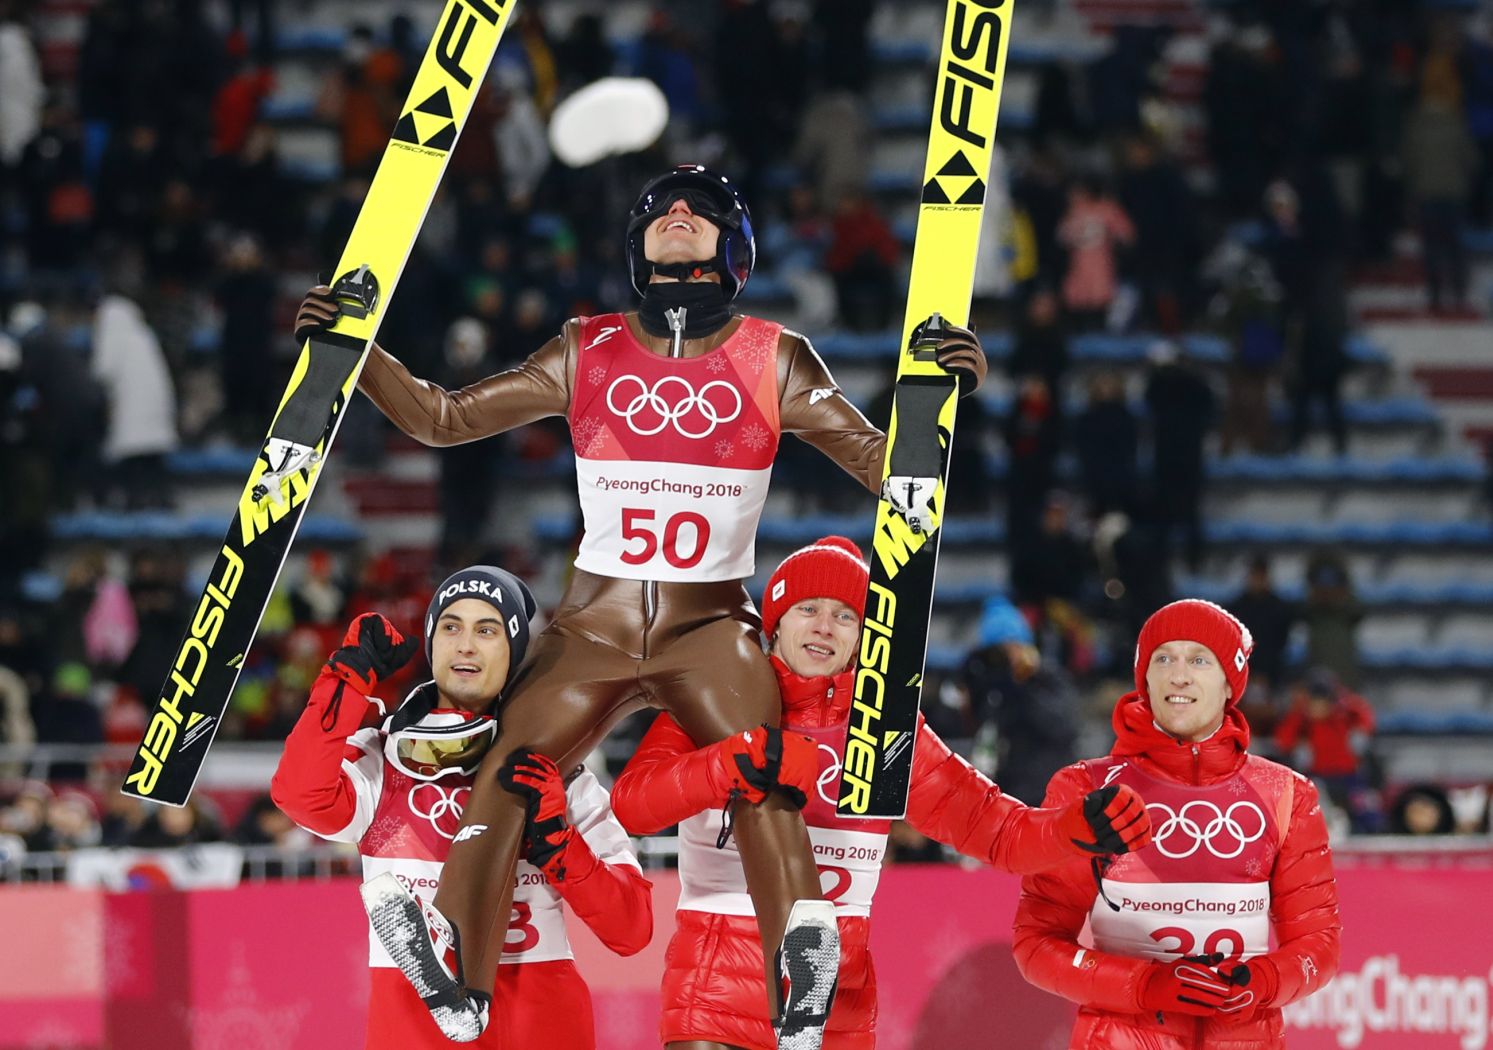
225,619
899,602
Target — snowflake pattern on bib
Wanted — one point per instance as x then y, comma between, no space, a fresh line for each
588,436
757,346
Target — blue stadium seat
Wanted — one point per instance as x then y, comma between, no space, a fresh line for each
168,527
903,52
188,462
1458,659
1042,53
1363,352
330,39
1390,411
1430,594
1094,347
1303,468
1434,723
1394,533
287,110
307,170
945,658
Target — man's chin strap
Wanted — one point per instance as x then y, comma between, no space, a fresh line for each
682,310
684,271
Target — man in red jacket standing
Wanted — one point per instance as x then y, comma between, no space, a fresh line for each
712,990
396,787
1180,954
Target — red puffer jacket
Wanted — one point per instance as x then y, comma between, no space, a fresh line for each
1278,836
712,986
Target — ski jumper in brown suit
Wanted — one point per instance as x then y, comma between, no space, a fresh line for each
661,636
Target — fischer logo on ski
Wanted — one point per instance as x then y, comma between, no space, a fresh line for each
429,124
956,183
909,514
186,672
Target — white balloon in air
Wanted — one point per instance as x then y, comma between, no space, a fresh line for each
610,116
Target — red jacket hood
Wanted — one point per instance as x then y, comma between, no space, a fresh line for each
1136,733
811,703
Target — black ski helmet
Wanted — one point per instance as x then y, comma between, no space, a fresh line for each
710,196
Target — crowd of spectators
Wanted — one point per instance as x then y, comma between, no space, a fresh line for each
156,232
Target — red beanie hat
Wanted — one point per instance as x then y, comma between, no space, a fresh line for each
832,567
1195,620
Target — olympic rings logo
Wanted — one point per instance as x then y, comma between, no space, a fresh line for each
690,404
1222,834
829,776
445,804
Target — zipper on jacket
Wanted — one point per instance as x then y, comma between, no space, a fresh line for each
650,609
675,317
1197,764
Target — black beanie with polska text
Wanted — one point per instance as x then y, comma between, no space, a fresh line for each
500,589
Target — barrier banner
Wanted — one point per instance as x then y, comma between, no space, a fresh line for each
1417,959
1417,963
214,865
284,965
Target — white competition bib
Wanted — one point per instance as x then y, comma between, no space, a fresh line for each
669,521
712,880
1163,920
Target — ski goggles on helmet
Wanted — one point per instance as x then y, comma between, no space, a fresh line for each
443,742
705,197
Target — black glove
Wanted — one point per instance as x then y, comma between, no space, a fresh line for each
537,780
372,650
960,353
318,312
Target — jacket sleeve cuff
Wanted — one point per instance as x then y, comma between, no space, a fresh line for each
1265,976
579,862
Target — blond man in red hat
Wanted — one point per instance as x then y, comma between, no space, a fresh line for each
811,614
1179,955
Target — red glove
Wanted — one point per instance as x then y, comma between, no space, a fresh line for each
759,761
1253,984
371,651
1107,820
1189,985
538,781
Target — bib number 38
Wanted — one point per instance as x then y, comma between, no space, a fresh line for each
682,540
